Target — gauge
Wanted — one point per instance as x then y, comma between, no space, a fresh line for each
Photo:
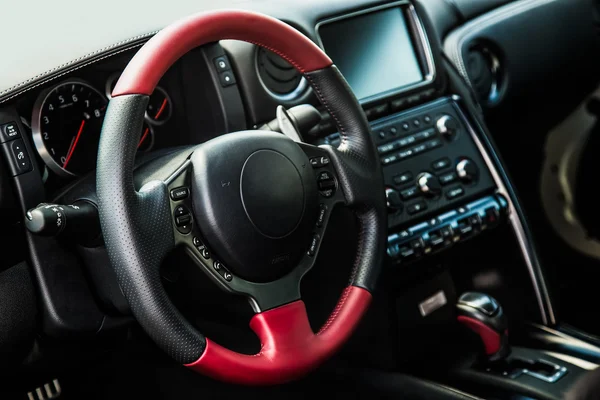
66,124
159,106
147,138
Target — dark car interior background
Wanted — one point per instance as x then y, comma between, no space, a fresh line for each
484,117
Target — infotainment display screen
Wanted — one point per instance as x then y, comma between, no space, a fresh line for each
373,51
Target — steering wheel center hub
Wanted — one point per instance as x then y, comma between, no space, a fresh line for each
272,193
255,202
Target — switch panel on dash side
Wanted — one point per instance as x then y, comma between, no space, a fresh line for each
13,147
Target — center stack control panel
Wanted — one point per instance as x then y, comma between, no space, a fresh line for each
432,168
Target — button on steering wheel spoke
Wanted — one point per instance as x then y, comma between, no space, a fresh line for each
186,231
325,168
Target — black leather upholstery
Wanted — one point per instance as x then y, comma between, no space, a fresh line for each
138,232
360,174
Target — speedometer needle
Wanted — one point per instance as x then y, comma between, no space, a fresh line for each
73,144
146,132
162,108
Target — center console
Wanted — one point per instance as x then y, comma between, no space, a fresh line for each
439,189
444,185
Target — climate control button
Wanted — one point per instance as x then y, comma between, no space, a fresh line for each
409,193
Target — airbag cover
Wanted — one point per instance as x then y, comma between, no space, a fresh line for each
255,202
272,193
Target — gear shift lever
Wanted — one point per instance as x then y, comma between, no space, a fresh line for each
483,315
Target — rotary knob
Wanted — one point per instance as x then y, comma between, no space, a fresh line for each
393,200
467,170
428,184
447,126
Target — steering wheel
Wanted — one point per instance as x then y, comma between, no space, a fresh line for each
255,200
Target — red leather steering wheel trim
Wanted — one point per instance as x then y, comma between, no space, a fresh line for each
150,63
290,348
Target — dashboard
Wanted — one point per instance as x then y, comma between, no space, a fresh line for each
445,182
200,97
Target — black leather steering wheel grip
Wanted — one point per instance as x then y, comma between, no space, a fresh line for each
138,231
360,175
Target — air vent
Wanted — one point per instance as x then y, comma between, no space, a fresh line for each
485,74
278,76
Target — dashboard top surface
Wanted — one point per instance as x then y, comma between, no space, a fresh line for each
80,33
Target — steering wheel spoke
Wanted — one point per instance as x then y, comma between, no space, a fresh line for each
187,234
186,230
262,295
289,347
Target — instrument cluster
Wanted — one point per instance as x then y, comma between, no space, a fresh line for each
67,122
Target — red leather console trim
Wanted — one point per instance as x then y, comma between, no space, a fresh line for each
492,341
290,348
150,63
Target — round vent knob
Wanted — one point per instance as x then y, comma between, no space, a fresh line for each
278,76
429,185
467,170
447,126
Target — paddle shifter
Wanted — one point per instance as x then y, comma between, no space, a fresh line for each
483,315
